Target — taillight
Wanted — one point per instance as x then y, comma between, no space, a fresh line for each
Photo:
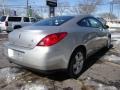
52,39
6,23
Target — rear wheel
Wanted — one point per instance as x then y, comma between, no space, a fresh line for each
76,64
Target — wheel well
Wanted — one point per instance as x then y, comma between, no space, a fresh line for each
82,48
17,26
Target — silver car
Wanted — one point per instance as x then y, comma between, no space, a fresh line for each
62,42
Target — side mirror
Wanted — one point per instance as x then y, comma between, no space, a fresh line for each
106,26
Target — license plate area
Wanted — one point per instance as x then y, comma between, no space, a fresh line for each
15,53
10,53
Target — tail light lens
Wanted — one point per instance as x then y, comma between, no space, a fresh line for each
6,23
52,39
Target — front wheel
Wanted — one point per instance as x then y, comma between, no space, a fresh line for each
76,64
108,42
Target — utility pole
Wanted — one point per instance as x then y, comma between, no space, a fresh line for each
27,11
3,7
111,8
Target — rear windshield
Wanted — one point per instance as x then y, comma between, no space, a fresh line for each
54,21
14,19
2,19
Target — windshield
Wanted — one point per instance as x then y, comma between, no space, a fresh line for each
54,21
2,19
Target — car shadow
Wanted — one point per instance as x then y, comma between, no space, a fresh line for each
95,58
62,75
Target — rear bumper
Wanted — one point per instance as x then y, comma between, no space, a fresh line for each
3,28
41,58
6,28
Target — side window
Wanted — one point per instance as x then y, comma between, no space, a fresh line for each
84,23
26,19
94,23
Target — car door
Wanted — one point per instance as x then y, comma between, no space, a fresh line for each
89,37
100,32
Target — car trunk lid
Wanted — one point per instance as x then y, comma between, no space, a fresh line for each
29,38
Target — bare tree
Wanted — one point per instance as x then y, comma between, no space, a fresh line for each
62,7
41,11
108,16
88,6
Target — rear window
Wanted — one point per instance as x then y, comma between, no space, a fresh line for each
54,21
14,19
2,19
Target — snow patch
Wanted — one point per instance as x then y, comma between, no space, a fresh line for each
7,75
112,58
116,41
97,85
34,87
112,29
116,37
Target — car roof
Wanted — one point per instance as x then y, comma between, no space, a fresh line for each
77,16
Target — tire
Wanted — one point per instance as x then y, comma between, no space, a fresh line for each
76,64
108,43
17,27
8,31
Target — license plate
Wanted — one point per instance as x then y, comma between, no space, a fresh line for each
10,53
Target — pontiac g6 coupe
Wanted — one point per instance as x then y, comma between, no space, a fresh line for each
62,42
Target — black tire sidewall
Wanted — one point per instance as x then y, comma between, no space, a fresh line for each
108,43
17,27
71,63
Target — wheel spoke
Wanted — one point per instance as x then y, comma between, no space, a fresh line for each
78,57
77,70
78,63
74,66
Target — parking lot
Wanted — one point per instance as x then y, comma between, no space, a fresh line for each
50,35
101,72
